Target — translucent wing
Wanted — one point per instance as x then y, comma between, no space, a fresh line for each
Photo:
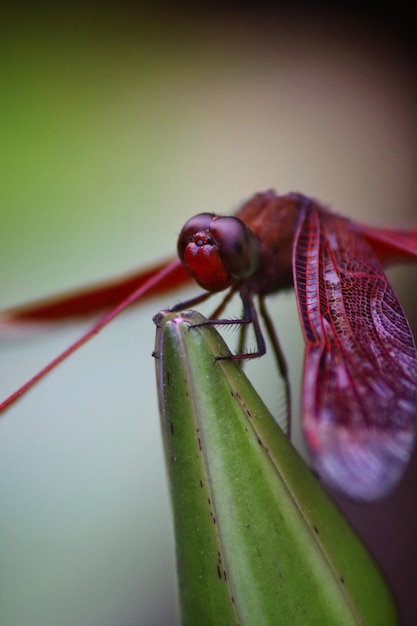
94,299
359,390
389,244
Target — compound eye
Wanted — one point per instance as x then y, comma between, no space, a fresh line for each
237,246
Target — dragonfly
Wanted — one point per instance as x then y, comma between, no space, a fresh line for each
359,383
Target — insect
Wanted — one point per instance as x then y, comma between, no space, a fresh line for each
359,386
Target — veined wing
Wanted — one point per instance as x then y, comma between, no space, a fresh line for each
359,389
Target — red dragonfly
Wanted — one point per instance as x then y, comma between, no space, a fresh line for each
359,387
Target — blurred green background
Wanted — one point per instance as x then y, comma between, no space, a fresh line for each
116,125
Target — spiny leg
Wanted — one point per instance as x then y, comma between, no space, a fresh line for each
215,316
249,316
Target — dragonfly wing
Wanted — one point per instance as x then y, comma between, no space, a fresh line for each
359,389
391,245
94,299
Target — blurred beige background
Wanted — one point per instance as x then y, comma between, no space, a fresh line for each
116,126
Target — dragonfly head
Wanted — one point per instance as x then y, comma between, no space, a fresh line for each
218,251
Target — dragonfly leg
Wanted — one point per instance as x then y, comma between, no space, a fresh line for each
250,316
